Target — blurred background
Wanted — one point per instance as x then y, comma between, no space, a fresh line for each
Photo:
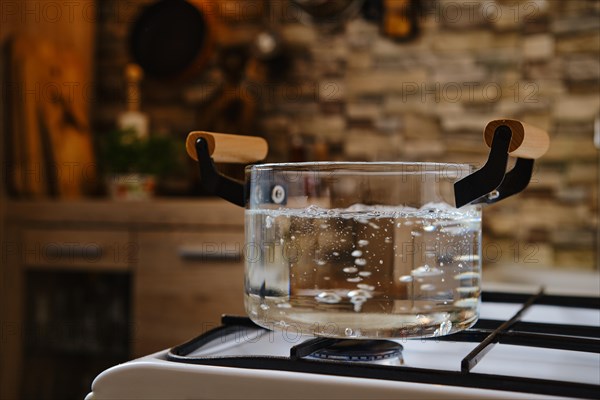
98,195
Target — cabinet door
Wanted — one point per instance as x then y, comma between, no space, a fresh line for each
70,249
11,313
184,282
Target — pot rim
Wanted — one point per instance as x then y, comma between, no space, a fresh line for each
359,166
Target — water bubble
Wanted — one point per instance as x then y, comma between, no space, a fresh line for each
350,270
406,278
354,280
321,262
356,253
323,226
364,286
399,224
362,221
426,271
264,306
293,237
358,298
328,297
429,228
359,295
427,287
470,302
348,332
467,275
268,222
444,328
470,290
364,273
363,242
360,262
284,305
416,234
373,225
381,262
326,278
312,209
335,254
453,230
467,257
358,305
388,239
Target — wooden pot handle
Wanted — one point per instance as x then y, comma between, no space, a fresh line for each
226,148
527,141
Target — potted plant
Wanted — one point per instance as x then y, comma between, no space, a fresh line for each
133,164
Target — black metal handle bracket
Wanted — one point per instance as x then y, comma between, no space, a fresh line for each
215,183
492,183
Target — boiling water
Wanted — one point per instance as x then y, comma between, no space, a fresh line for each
364,271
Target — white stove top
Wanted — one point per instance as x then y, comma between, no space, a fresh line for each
154,377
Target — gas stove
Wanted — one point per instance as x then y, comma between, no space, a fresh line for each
524,346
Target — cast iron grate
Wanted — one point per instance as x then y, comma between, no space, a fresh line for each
486,332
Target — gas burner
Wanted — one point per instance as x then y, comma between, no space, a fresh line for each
384,352
514,337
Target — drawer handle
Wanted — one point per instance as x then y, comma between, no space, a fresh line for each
73,251
213,253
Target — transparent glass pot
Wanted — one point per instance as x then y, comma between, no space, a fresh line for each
361,250
366,250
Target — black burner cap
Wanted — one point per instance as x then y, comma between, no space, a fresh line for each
360,350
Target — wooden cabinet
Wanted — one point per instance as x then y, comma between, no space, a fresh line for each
184,281
79,249
180,263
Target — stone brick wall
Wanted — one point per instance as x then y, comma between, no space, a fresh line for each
368,97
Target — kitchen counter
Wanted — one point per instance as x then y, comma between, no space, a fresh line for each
159,211
555,281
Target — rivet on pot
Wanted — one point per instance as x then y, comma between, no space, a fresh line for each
278,194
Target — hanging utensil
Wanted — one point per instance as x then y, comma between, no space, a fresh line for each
267,44
172,39
328,15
